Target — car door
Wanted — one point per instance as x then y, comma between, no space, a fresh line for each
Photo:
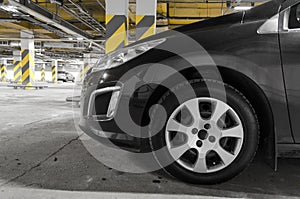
289,34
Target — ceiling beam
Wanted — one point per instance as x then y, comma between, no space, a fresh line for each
49,18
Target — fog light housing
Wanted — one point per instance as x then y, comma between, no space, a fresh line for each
99,98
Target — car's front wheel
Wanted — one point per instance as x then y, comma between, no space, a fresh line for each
207,138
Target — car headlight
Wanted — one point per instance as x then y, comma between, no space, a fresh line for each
125,54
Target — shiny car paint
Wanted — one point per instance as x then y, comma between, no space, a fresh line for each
270,61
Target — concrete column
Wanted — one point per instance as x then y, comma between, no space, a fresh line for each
116,24
4,70
43,72
54,71
145,18
17,66
86,66
27,62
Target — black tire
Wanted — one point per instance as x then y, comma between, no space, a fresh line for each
236,101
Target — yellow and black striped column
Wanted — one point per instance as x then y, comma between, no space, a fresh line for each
54,69
3,72
145,18
43,73
17,67
27,66
83,71
116,24
17,72
86,66
27,58
54,74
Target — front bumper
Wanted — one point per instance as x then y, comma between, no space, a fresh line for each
99,104
111,139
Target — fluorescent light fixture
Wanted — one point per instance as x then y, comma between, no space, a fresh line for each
58,2
70,38
242,8
9,20
79,38
9,8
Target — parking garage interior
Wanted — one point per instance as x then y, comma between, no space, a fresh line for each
47,47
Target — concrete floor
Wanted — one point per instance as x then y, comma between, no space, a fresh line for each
40,148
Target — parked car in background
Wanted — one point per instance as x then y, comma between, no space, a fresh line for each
65,76
207,138
70,77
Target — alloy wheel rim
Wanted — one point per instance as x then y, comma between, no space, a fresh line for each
204,135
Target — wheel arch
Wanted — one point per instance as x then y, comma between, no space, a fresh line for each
262,107
248,87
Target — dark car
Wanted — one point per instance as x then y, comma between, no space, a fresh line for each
205,97
65,76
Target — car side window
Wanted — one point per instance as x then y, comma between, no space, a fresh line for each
294,18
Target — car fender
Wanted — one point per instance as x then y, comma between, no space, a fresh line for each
260,75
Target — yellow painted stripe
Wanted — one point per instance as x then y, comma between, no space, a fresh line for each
182,21
127,32
139,18
116,39
25,75
86,69
31,75
25,60
108,18
17,67
18,75
149,32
